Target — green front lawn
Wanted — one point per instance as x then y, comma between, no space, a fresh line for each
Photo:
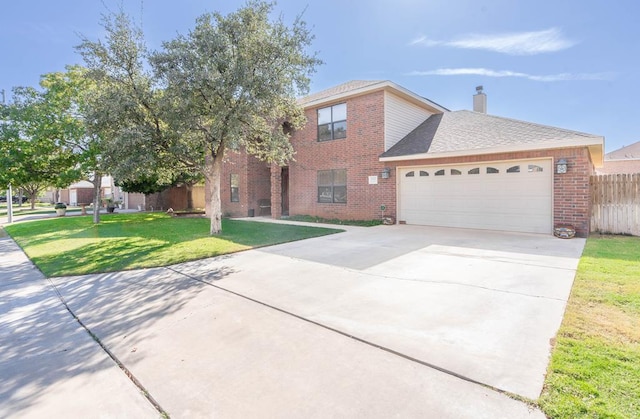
75,246
595,366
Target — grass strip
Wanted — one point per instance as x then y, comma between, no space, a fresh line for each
75,246
595,366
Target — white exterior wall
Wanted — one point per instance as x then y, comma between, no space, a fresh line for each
400,118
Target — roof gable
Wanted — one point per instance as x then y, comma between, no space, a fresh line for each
354,88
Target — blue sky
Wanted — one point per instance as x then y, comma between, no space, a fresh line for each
570,64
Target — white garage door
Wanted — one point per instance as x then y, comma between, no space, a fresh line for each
510,196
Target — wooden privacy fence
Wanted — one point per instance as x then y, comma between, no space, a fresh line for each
615,204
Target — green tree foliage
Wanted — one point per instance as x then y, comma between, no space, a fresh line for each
145,185
129,105
49,137
229,84
69,95
32,154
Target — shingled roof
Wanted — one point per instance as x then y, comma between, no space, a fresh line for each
461,131
629,152
339,89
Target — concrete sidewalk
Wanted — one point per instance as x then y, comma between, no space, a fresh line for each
49,365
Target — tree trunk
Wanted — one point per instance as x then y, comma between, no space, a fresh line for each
31,190
97,184
189,188
214,171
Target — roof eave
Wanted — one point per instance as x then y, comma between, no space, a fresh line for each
384,85
594,144
629,159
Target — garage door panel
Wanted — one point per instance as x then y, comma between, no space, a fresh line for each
513,201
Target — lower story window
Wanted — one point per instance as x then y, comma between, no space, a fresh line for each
332,186
235,184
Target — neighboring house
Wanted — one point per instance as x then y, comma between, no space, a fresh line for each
82,193
373,149
625,160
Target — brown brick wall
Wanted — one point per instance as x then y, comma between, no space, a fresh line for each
357,153
572,192
254,177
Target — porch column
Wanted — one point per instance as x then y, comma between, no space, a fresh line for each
276,191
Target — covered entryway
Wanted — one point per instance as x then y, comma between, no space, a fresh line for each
507,195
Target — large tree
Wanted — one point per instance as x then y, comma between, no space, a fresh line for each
129,104
229,84
69,96
32,152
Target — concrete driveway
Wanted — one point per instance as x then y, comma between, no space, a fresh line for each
374,322
390,321
483,305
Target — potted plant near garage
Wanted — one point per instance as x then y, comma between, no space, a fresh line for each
111,206
61,209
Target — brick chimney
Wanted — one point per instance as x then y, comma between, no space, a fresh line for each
480,101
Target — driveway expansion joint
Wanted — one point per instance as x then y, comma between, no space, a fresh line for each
163,413
353,337
459,284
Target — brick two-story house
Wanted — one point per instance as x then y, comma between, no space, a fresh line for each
373,149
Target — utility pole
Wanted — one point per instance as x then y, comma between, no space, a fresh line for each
9,205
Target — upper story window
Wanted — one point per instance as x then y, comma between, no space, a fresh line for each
332,122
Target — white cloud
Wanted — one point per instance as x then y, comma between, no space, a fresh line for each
507,73
519,43
422,40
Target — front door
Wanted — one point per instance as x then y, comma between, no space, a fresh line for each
285,190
